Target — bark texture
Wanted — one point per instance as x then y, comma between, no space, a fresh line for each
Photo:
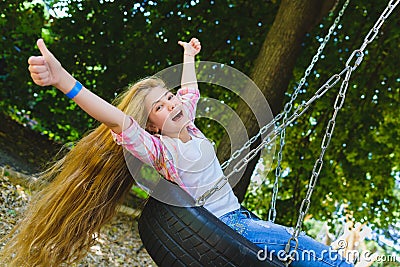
273,68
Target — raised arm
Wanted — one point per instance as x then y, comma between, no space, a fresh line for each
191,49
46,70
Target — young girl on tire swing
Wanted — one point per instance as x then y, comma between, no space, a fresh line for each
91,180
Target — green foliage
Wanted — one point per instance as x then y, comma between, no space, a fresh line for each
363,157
21,24
107,45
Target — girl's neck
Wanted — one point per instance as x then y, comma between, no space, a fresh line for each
183,135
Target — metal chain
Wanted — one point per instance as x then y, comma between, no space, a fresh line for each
223,180
305,205
270,137
359,53
288,107
331,82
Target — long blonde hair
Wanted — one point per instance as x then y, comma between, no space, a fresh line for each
86,187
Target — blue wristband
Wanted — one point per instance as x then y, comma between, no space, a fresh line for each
75,90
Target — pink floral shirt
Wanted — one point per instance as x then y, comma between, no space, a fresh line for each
152,149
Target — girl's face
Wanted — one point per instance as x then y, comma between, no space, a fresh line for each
166,112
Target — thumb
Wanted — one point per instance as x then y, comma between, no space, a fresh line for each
43,49
181,43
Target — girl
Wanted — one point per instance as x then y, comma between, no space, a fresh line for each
156,127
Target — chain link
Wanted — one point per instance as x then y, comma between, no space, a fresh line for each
268,139
277,118
278,170
305,205
331,82
288,106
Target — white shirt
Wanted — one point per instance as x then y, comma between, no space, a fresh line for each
199,170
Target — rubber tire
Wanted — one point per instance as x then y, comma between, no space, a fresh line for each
192,236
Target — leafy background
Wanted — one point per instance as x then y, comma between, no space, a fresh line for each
109,44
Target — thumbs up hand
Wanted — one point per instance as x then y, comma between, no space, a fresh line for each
192,48
47,70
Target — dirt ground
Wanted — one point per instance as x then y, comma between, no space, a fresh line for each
27,152
118,244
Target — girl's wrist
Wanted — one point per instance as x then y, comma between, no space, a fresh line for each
66,82
188,58
75,90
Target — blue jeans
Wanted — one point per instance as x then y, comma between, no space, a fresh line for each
272,239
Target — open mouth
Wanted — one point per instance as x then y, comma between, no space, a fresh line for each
178,116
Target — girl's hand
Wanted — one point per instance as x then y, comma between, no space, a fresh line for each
192,48
45,69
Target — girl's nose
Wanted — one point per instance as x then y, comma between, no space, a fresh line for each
171,105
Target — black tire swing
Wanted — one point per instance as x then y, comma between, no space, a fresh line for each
189,235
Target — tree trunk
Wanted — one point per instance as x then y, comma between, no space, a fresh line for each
24,149
273,68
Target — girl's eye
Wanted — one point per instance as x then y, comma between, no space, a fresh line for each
158,107
170,97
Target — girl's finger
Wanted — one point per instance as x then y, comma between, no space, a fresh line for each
40,81
43,75
35,77
43,49
39,76
36,60
37,68
182,43
45,81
